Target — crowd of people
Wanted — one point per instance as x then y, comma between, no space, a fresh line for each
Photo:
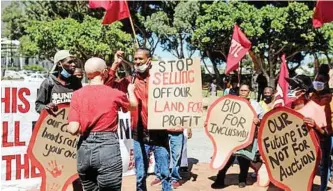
94,109
93,115
302,90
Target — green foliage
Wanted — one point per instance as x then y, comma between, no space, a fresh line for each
34,67
273,30
85,39
53,25
173,25
14,18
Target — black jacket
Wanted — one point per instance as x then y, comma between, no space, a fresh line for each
51,90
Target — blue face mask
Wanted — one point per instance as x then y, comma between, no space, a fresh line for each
65,74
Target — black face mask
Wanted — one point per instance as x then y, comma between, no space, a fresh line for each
268,99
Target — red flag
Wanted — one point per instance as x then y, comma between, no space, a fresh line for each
115,10
323,13
240,45
281,97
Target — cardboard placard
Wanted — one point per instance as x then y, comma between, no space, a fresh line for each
230,127
289,150
53,150
175,94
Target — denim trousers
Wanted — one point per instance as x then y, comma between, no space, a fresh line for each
176,147
176,142
141,155
325,162
99,162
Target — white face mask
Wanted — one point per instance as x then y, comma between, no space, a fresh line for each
318,86
142,68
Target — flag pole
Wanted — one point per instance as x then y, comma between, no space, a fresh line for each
132,26
136,40
240,72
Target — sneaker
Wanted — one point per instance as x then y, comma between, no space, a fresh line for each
175,184
217,185
156,181
241,185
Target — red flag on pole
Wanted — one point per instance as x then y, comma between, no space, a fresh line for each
240,45
281,96
323,13
115,10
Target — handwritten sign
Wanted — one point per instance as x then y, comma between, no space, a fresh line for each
230,127
175,94
289,150
53,150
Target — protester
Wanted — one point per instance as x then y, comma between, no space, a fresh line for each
300,88
58,88
234,90
267,104
322,97
268,101
213,88
262,83
94,115
244,163
144,141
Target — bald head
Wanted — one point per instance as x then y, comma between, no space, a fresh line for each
94,67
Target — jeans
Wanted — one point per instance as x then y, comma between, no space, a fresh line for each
330,168
325,162
141,155
99,162
176,147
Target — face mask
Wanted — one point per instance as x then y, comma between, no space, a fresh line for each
65,74
268,98
142,68
318,86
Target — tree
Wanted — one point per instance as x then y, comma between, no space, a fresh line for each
48,26
174,26
13,17
273,30
85,39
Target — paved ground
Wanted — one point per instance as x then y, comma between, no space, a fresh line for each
202,176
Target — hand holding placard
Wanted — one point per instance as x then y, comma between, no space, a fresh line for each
289,149
229,125
53,150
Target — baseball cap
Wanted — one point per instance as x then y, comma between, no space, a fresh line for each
61,54
299,82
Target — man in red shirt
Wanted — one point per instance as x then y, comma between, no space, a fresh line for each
94,115
144,141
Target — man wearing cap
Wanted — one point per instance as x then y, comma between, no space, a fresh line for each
59,86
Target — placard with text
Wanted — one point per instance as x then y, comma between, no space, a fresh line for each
53,150
289,149
175,94
229,125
